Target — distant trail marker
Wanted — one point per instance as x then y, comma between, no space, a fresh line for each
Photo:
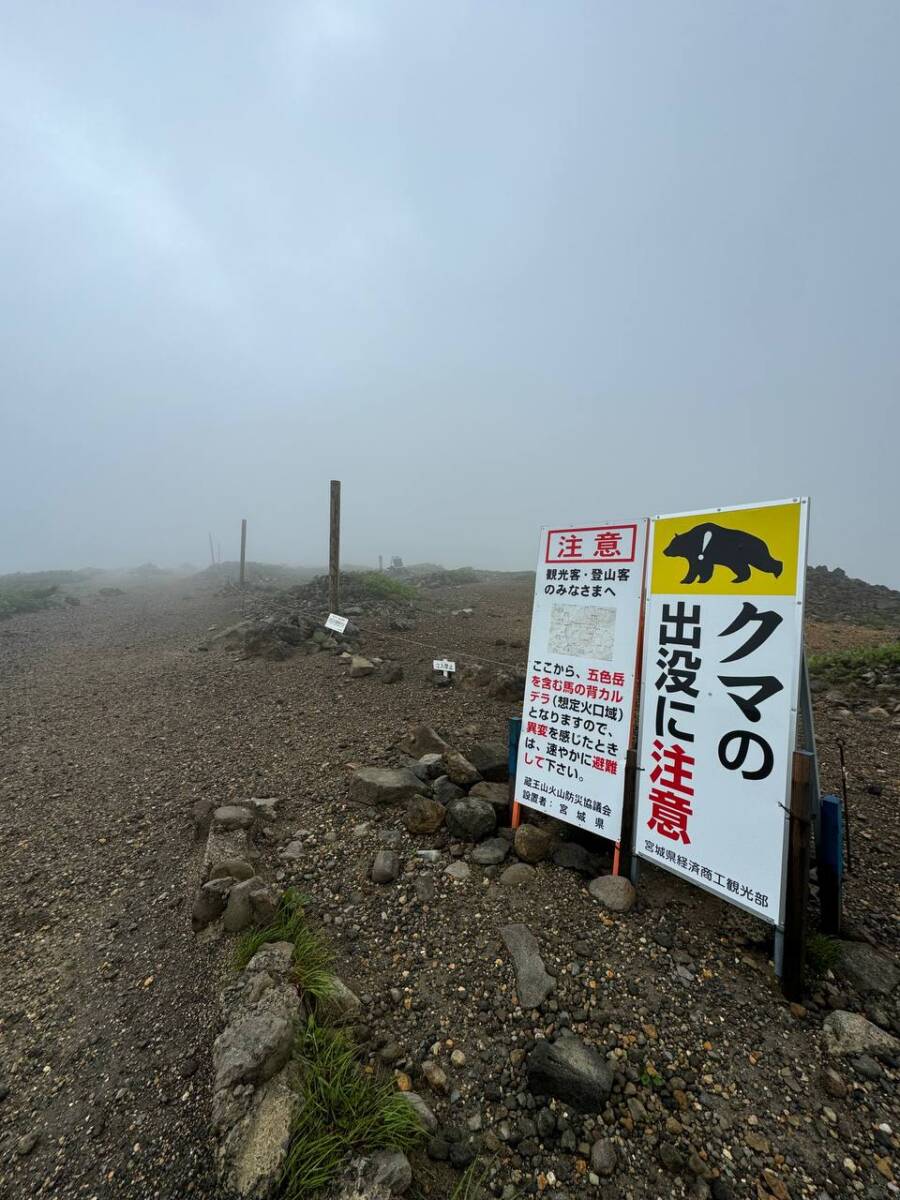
580,692
212,553
243,547
334,548
337,623
445,665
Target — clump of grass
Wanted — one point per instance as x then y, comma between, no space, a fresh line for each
470,1185
823,953
383,586
838,665
343,1111
15,600
312,958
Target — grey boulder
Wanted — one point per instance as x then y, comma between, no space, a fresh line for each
471,819
384,785
614,892
533,984
571,1071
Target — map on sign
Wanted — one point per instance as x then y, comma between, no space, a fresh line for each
583,632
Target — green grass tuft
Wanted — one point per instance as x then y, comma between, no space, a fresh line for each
823,953
312,958
471,1183
15,600
386,587
343,1112
838,666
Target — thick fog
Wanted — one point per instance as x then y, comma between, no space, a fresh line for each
493,265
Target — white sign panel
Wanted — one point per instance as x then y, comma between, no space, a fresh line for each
444,664
580,682
723,639
338,624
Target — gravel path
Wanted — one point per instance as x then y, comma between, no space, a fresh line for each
113,725
106,1003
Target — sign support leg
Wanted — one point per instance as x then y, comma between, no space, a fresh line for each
624,851
798,878
514,732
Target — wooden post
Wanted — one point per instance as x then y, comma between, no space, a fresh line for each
243,547
798,878
334,549
624,850
212,553
380,564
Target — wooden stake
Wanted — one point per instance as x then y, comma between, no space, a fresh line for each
212,553
334,549
243,547
798,878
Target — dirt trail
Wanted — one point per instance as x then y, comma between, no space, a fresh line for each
112,724
105,1000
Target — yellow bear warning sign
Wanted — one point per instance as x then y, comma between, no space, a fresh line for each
728,552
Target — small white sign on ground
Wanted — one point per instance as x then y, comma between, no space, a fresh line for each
580,684
338,624
446,665
723,640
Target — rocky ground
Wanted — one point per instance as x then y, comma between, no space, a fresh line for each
115,724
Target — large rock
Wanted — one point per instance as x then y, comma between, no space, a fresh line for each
423,740
225,845
459,770
360,666
614,892
252,1049
340,1004
518,875
424,815
238,912
571,1071
384,785
603,1157
490,759
851,1033
232,816
491,853
252,1153
386,866
868,969
422,1111
382,1176
532,843
533,984
209,903
574,857
508,685
255,639
445,790
496,794
471,819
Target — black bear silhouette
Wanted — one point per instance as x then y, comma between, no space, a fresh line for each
708,546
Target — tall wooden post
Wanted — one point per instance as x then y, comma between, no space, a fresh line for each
797,878
380,564
334,549
212,553
243,547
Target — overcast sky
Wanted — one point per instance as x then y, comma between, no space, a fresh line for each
494,265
